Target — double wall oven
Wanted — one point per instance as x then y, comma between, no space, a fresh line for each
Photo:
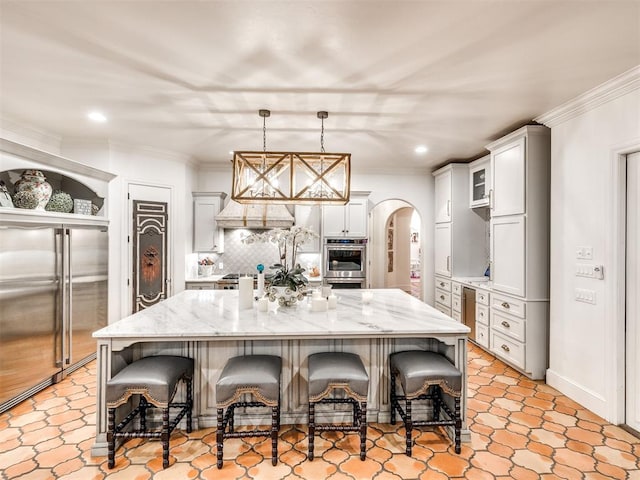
345,262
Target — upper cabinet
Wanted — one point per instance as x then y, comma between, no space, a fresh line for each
443,195
207,236
508,163
348,220
479,182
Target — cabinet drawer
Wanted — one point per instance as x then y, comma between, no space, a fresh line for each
457,316
443,297
482,297
508,324
510,305
507,348
456,303
482,335
443,308
443,284
482,314
456,288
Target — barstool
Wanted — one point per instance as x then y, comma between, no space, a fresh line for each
258,375
424,376
155,379
329,371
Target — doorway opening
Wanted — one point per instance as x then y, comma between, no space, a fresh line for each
395,248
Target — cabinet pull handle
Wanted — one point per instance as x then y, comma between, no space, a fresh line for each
505,305
448,208
441,297
442,284
505,324
448,262
505,348
491,198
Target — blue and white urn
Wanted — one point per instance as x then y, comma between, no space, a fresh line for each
34,181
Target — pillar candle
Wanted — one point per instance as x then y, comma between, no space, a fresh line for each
332,301
245,293
319,304
263,304
260,284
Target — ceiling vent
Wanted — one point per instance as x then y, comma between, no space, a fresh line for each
236,215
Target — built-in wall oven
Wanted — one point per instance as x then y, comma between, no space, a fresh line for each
345,262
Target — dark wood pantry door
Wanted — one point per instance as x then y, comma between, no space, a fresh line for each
150,222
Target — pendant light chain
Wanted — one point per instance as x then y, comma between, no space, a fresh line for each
322,136
264,134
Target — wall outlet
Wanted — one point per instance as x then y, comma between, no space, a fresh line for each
590,271
584,295
584,253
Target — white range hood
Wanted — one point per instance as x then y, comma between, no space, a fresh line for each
236,215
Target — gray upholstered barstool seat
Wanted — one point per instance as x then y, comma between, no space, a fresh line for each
156,380
329,371
425,376
259,376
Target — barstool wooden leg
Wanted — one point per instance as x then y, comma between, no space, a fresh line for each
363,430
437,398
165,437
220,437
408,425
458,425
111,438
190,405
274,435
143,413
393,398
312,429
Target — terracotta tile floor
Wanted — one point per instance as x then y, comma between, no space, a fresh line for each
519,429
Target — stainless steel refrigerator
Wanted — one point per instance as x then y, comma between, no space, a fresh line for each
53,296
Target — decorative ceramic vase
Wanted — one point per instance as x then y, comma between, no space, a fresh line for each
26,200
285,296
34,181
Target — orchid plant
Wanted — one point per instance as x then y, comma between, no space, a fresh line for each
288,272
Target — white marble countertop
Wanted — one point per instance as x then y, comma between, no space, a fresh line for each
214,314
476,282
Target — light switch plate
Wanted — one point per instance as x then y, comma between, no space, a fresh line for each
584,253
586,296
590,271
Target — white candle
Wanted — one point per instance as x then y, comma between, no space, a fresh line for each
319,304
326,291
316,294
245,293
260,284
332,301
263,304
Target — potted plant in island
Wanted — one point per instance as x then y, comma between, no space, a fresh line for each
288,283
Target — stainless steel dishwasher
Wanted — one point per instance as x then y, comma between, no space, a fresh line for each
469,310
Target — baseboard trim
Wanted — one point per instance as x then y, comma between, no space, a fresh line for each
585,397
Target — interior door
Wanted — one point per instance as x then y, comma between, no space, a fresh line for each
632,410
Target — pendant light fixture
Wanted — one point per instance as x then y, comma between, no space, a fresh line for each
291,177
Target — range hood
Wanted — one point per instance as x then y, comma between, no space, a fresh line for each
236,215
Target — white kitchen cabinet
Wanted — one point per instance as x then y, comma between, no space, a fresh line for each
309,216
508,254
350,220
442,249
207,236
459,244
479,182
443,195
508,178
519,207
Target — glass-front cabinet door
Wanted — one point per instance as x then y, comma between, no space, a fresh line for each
479,181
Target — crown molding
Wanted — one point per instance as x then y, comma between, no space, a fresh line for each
611,89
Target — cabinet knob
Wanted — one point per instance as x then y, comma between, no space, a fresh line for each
441,297
505,348
505,305
505,324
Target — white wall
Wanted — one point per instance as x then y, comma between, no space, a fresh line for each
415,187
584,358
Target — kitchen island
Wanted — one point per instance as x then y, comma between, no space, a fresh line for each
208,326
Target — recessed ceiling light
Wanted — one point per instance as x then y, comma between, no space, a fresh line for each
421,149
97,117
230,152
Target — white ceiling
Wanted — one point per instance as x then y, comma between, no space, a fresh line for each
190,76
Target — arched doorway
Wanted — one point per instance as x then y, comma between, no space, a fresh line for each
395,247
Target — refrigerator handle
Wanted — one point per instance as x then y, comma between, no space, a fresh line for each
69,317
60,344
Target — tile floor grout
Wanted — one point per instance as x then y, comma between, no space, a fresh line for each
520,429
